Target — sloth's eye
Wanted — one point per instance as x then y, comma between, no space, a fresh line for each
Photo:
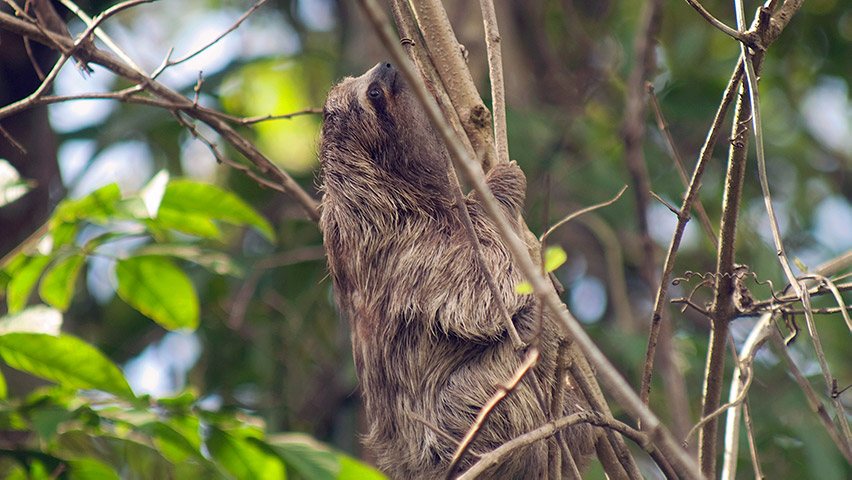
374,93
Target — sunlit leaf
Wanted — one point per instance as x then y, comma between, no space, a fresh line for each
185,196
35,319
524,288
57,285
243,457
4,390
64,359
23,280
186,222
554,257
152,193
96,206
160,290
351,469
12,187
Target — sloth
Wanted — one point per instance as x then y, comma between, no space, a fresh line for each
428,339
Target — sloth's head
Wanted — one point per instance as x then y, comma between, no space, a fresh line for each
373,124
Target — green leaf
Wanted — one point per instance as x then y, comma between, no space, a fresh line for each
11,185
65,359
190,197
185,222
97,206
351,469
22,282
173,444
57,285
306,456
4,390
217,262
554,257
35,319
160,290
243,458
90,469
524,288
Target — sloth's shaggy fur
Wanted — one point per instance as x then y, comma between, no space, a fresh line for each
428,340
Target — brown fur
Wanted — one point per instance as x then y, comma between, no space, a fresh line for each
428,340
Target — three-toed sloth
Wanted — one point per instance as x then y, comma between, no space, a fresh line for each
429,342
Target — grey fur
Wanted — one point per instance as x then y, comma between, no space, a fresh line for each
428,341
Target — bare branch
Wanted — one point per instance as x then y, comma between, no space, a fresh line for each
813,400
739,389
495,73
751,76
94,25
502,392
170,63
550,428
839,409
681,168
164,94
736,35
582,211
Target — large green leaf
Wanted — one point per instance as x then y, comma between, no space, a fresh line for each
244,458
90,469
306,456
185,196
57,285
97,206
23,280
64,359
217,262
160,290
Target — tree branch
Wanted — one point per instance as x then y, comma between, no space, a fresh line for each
163,93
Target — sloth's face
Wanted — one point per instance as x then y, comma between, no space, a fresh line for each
376,116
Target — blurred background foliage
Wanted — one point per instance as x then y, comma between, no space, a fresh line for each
269,342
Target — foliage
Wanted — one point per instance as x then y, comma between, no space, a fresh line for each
91,424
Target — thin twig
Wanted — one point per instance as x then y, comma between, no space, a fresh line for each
633,133
495,74
94,24
9,138
494,457
839,409
752,444
582,211
170,63
739,36
502,392
681,168
837,297
210,117
286,116
739,389
608,375
813,399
